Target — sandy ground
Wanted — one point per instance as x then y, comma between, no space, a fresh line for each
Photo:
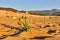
41,25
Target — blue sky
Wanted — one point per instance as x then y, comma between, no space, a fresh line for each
31,4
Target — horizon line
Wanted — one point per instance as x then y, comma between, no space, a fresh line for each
31,9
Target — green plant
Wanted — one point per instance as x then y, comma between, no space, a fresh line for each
22,22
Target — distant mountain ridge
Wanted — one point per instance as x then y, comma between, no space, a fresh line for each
46,12
53,12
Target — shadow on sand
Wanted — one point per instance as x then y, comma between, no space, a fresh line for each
18,31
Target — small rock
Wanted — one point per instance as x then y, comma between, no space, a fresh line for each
46,26
51,31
